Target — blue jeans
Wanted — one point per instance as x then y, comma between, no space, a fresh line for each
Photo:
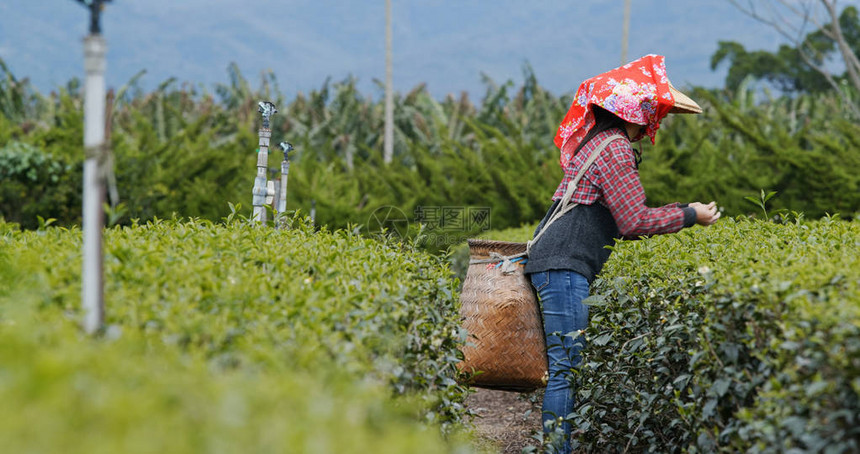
561,293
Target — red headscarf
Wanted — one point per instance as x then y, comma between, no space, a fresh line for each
637,92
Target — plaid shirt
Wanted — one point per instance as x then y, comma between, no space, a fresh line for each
613,181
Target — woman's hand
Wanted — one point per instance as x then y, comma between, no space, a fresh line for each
705,214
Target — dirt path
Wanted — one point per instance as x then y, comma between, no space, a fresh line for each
506,420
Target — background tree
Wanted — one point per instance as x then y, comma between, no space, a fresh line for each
793,67
784,69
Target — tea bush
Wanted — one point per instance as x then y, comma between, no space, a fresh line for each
741,337
227,338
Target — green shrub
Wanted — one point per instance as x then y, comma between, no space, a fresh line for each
740,337
35,183
137,394
180,149
233,336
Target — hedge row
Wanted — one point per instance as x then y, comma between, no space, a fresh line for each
227,338
743,337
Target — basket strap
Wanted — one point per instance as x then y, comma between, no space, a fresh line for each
507,263
566,205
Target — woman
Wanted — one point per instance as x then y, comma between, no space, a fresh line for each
569,249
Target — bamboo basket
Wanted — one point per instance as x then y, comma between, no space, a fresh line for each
506,347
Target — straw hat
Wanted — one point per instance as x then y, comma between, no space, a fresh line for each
683,103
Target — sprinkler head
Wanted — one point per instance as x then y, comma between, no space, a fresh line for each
95,7
287,147
267,109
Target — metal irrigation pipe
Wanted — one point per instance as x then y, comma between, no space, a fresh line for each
267,109
285,171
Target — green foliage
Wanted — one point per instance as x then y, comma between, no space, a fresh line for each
18,102
136,395
36,184
236,337
742,337
180,149
761,202
784,69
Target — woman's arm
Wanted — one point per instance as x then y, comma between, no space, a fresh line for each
624,196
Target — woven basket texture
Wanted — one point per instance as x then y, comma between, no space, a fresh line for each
506,348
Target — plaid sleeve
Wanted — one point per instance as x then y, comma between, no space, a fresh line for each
624,196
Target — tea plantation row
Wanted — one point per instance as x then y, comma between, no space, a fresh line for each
742,337
227,338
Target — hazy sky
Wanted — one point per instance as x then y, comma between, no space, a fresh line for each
446,43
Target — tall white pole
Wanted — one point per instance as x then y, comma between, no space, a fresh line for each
625,32
388,153
261,189
92,291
